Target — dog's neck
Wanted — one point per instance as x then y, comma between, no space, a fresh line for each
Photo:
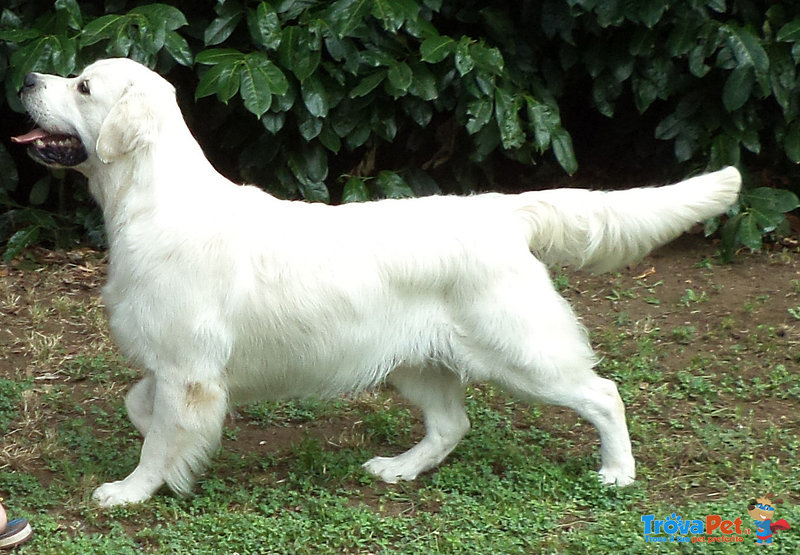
131,185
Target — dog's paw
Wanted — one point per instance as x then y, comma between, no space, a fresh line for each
112,494
619,477
390,470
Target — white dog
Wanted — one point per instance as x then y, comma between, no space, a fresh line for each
225,294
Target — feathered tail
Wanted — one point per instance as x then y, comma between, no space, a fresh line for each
600,231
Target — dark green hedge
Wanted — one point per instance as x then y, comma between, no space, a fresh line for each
396,97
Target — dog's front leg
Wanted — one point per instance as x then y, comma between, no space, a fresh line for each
183,432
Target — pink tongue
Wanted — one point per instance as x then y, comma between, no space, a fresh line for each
30,137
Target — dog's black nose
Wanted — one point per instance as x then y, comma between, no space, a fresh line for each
30,81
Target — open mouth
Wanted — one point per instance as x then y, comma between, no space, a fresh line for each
53,149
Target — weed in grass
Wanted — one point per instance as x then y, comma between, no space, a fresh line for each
10,397
710,430
692,297
622,319
44,348
287,412
684,334
617,295
561,281
231,433
705,264
389,427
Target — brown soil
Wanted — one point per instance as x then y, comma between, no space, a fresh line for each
52,314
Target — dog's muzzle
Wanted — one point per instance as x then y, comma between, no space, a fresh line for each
52,148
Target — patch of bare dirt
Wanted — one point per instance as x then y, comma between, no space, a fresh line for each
51,313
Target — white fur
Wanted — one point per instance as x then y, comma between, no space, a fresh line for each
225,294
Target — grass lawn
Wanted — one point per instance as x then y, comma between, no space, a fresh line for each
706,358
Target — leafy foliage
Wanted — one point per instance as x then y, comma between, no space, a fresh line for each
378,98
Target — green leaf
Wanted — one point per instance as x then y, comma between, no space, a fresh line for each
697,62
329,138
729,234
34,56
766,199
368,84
314,191
222,27
64,54
277,81
273,122
393,13
345,16
315,97
316,162
562,148
178,48
463,59
480,112
18,35
738,88
783,77
359,135
19,241
423,84
383,123
725,151
9,177
221,79
40,191
487,59
309,126
299,51
767,221
419,110
506,110
214,56
669,127
168,17
749,234
309,164
605,91
265,26
544,120
400,76
254,89
355,190
393,186
101,28
73,11
790,32
747,48
791,142
435,49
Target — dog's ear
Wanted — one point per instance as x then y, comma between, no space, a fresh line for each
131,124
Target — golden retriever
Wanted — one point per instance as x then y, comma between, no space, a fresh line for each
224,294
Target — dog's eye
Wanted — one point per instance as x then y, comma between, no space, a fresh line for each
83,87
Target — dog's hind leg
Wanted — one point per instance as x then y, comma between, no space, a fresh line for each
596,399
184,430
524,337
440,395
559,371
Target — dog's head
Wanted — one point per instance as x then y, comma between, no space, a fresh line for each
112,108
